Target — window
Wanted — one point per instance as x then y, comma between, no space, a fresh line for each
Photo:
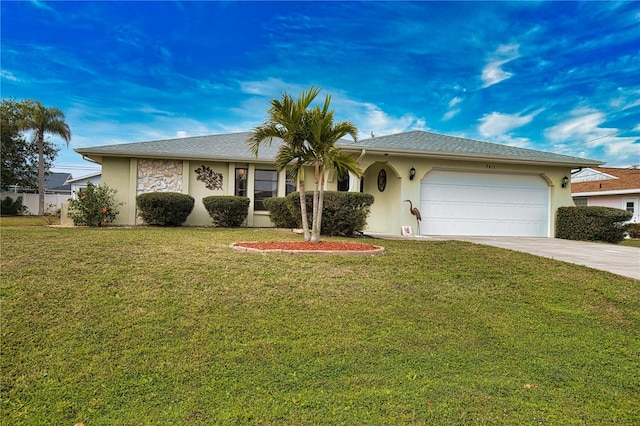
241,182
580,201
630,207
343,183
290,186
266,185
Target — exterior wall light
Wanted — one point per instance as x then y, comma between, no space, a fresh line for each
565,182
412,173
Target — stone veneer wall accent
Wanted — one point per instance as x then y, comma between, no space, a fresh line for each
158,176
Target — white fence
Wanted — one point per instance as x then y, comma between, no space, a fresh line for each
52,202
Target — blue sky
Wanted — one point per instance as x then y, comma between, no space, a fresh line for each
556,76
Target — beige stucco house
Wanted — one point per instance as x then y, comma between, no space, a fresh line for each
461,186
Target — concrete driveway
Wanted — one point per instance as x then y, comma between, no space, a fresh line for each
620,260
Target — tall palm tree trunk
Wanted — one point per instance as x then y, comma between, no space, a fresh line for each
315,228
320,202
303,210
40,138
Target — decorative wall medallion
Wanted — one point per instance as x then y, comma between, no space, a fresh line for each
382,180
211,179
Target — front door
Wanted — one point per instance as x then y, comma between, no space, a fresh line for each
631,205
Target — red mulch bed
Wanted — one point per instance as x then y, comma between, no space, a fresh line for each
302,245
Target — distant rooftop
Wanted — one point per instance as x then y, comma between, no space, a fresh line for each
603,179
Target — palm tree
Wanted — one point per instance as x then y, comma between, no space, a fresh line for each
44,120
287,120
323,135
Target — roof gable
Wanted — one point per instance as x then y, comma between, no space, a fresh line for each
589,175
56,182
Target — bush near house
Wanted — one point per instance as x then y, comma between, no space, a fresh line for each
343,213
8,207
165,208
634,230
94,206
227,211
592,223
281,214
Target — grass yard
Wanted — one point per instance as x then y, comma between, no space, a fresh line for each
170,326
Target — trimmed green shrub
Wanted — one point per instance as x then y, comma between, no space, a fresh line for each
280,213
165,208
94,206
8,207
588,223
634,230
343,213
227,211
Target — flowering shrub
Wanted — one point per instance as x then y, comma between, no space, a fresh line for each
94,206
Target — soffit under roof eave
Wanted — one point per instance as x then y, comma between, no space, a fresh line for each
471,157
607,192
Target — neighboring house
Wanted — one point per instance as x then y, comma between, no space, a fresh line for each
607,187
81,182
461,186
55,183
56,191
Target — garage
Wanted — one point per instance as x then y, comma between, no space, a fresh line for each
484,204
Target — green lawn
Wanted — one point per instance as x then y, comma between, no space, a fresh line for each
169,326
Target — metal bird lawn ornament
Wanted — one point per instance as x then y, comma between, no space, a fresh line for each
414,211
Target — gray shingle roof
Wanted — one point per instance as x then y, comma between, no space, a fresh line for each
234,147
427,144
57,182
228,147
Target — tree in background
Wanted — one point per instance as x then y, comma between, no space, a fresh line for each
19,161
43,120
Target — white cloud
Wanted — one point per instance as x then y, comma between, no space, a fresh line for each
584,125
583,130
271,87
452,111
41,5
496,123
8,76
455,101
450,114
368,117
492,73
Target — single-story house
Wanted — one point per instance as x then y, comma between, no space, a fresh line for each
461,186
80,183
607,187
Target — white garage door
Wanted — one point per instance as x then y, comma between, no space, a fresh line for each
491,204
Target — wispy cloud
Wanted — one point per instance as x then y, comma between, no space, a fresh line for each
41,5
492,73
583,130
452,112
7,75
497,123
